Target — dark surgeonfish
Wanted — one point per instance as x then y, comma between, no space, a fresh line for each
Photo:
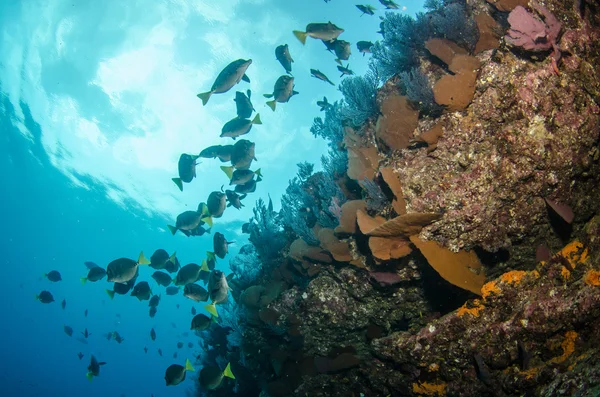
324,104
218,290
345,70
187,170
142,291
234,200
190,273
221,245
364,47
283,90
124,269
200,322
242,154
248,187
238,127
173,266
153,334
161,278
211,377
53,276
160,257
94,368
94,274
195,292
229,76
68,330
172,290
152,311
320,75
175,374
63,304
282,53
343,50
223,152
323,31
239,177
188,220
243,105
120,288
45,297
216,203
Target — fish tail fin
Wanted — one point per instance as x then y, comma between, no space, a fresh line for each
300,36
258,173
178,182
83,280
203,209
228,170
228,372
204,267
272,104
37,297
89,376
205,96
208,220
212,309
173,258
142,260
111,294
210,255
339,61
173,229
188,366
256,119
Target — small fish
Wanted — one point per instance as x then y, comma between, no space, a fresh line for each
221,245
172,290
218,290
86,334
118,338
239,177
80,355
153,334
94,274
172,267
343,50
389,4
190,273
211,377
94,368
188,220
160,352
53,276
195,292
242,154
248,187
179,345
283,90
124,269
45,297
243,105
320,75
193,311
216,204
231,75
364,47
175,355
63,304
161,278
68,330
324,104
109,336
187,170
145,349
323,31
142,291
345,70
282,53
154,301
200,322
121,289
223,152
329,45
234,200
238,127
175,374
190,345
152,311
366,9
160,257
85,313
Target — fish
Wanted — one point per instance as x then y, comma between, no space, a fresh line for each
242,154
324,104
193,311
161,278
86,334
345,70
389,4
195,292
85,313
343,50
172,267
199,231
218,290
94,274
237,127
190,273
212,377
153,334
216,203
90,265
190,345
282,53
187,170
323,31
179,345
68,330
63,304
243,104
239,177
53,276
152,311
154,301
160,352
118,338
211,260
188,220
248,187
45,297
320,75
145,349
283,90
120,288
366,9
223,152
124,269
160,257
175,373
231,75
172,290
246,227
221,245
200,322
234,200
94,368
364,47
175,355
80,355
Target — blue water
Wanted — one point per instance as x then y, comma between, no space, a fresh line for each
65,201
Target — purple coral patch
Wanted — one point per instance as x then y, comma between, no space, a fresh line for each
530,32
